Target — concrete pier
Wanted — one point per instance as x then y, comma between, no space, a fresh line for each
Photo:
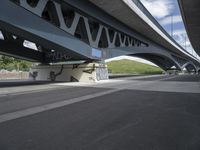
90,72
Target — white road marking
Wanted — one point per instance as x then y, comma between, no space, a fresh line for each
42,108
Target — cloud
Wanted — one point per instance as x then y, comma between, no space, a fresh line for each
181,37
168,20
159,8
179,32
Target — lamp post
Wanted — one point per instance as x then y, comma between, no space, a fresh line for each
185,43
172,25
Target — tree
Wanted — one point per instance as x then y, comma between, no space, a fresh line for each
5,61
10,63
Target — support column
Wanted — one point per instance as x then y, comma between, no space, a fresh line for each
87,72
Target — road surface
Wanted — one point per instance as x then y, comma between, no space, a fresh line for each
133,113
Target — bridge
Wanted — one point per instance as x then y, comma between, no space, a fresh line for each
89,31
192,24
72,39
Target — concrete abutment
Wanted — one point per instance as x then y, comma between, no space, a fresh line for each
87,72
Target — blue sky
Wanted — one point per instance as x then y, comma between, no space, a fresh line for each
166,10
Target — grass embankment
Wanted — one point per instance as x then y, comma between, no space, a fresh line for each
132,67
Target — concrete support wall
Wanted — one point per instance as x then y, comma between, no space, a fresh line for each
91,72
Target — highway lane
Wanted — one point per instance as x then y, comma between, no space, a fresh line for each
129,117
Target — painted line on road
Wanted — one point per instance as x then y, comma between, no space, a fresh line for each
38,109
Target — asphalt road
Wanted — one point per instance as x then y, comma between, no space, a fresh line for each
129,117
186,78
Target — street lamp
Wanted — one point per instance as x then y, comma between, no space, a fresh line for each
172,25
185,42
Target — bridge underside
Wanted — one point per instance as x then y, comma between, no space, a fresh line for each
190,11
191,68
161,61
64,33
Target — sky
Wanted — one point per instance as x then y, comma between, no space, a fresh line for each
167,13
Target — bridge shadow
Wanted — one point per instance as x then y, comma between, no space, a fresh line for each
185,78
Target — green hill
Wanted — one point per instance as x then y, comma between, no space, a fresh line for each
132,67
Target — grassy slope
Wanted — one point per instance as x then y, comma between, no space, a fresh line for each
132,67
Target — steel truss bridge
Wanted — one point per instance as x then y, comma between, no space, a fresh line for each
88,30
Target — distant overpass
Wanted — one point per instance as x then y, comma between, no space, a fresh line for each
89,30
